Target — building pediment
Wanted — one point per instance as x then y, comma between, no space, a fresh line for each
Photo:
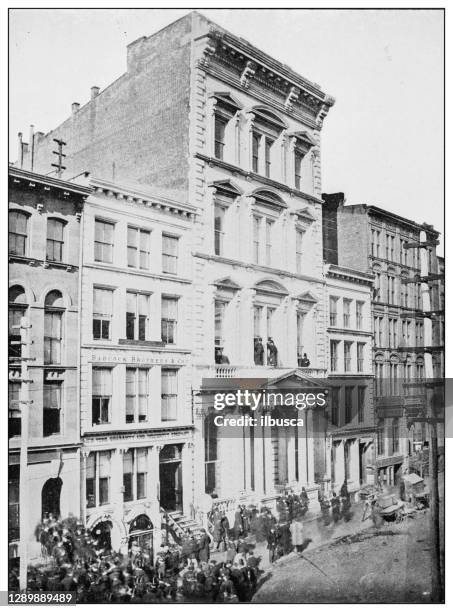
226,99
227,283
294,379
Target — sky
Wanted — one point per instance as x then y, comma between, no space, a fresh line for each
383,140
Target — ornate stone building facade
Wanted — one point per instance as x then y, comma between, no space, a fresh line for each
135,397
43,250
401,254
221,129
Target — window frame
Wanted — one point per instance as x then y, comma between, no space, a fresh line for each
103,243
167,256
54,241
23,235
137,248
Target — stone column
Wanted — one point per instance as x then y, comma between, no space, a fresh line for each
291,448
303,446
153,494
339,464
246,330
250,117
209,219
269,462
117,495
210,125
83,472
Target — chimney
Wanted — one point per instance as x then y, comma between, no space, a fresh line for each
20,150
32,146
75,107
94,92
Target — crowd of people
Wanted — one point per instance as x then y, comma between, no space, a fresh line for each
219,564
76,560
335,507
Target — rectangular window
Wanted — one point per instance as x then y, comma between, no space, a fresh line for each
137,315
268,142
90,480
381,437
335,392
51,408
102,313
104,477
348,404
142,471
298,157
17,236
219,317
347,356
299,243
219,222
269,226
334,355
257,316
101,395
219,136
419,333
14,420
52,336
169,254
103,241
256,239
54,246
137,395
360,356
395,435
138,248
360,403
169,395
391,290
333,311
128,471
376,243
169,319
255,151
347,313
15,314
359,314
13,503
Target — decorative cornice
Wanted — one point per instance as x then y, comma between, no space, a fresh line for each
241,52
25,179
133,196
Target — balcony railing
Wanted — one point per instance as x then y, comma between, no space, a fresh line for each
233,371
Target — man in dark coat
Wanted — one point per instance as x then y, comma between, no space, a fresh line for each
258,350
272,353
203,546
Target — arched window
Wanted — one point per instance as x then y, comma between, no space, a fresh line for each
53,319
225,108
420,367
55,229
17,308
17,236
267,128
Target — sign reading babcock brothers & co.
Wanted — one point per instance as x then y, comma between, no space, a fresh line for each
154,358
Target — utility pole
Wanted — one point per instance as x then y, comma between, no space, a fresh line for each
24,402
60,155
431,415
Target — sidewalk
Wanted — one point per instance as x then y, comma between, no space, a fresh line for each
314,529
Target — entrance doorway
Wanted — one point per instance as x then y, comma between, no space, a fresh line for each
50,497
102,534
170,477
141,535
